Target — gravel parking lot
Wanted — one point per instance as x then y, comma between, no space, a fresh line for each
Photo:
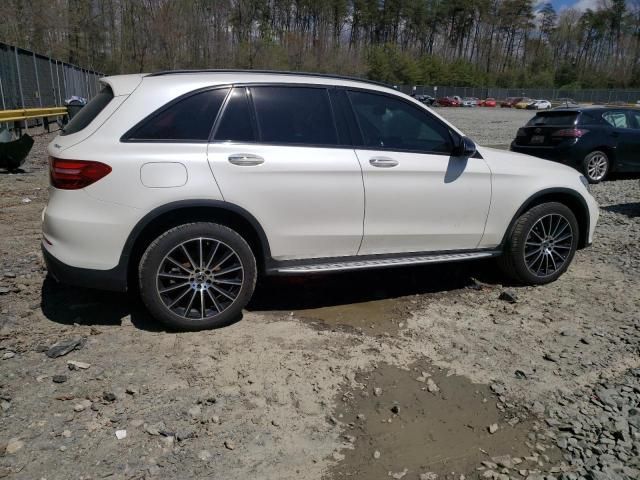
487,126
422,373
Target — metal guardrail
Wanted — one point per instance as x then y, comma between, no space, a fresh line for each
29,113
33,87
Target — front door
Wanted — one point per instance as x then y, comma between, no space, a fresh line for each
418,197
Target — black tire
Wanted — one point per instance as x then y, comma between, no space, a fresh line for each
591,172
518,252
216,310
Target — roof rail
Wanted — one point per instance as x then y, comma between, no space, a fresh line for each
276,72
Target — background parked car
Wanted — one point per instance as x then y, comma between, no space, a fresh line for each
510,102
523,103
469,102
539,105
489,102
426,99
448,102
564,102
594,140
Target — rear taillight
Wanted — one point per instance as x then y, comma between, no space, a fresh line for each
570,132
521,133
75,174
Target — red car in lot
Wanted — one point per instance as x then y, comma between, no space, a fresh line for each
510,102
489,102
448,102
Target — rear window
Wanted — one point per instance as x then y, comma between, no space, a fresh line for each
89,112
188,119
553,119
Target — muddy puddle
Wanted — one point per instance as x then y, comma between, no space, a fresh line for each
417,431
375,317
374,302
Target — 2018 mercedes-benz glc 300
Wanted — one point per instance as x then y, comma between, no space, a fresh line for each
188,185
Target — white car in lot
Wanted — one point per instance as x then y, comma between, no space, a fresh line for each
469,102
539,105
185,186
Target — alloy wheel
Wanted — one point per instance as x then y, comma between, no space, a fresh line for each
597,167
548,245
200,278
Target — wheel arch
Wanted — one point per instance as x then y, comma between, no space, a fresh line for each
572,199
173,214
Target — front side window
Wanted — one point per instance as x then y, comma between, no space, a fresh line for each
294,115
188,119
390,123
616,119
89,112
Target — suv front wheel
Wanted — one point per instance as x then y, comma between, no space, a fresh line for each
197,276
541,244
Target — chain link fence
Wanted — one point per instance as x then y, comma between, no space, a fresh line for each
31,80
583,96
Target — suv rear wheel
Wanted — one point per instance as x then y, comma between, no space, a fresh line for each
197,276
595,166
541,245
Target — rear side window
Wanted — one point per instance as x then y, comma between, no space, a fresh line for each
235,124
294,115
89,112
553,119
636,117
391,123
188,119
616,119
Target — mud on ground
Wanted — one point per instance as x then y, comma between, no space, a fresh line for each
323,372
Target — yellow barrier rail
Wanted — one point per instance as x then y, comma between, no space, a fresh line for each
28,113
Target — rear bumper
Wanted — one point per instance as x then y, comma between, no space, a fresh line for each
568,155
114,279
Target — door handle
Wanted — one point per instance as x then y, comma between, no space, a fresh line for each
383,162
245,159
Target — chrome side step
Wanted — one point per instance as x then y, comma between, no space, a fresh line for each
378,262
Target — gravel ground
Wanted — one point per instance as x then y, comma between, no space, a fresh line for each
418,373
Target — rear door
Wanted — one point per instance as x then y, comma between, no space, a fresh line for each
633,162
625,137
276,152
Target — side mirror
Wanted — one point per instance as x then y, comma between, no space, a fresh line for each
464,147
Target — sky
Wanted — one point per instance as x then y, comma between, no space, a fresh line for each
577,4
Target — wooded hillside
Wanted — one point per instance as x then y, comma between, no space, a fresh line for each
444,42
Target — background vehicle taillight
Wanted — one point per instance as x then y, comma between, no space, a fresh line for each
521,133
75,174
570,132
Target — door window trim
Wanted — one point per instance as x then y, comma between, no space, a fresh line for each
417,107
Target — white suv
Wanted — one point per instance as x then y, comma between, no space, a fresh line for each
188,184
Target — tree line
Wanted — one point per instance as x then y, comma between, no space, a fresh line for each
504,43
